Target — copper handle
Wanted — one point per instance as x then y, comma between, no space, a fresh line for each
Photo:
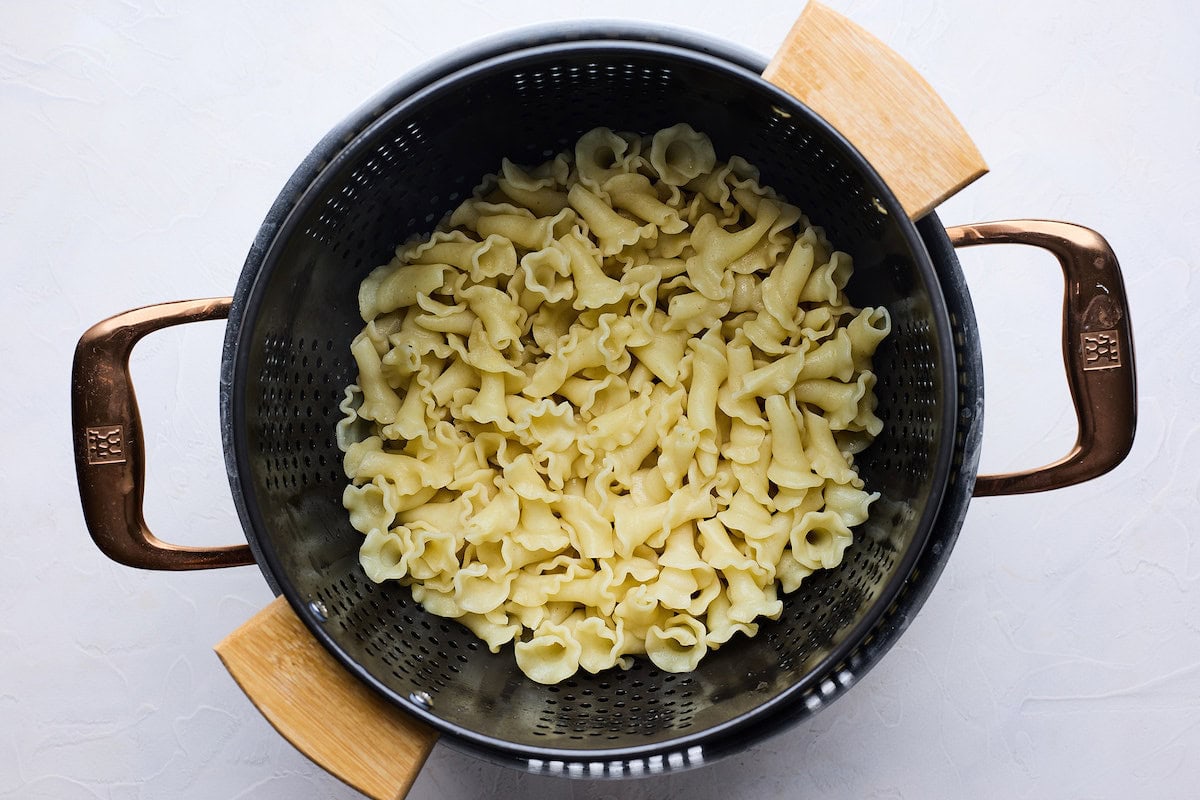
1097,351
110,459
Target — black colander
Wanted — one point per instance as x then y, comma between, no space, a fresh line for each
418,157
393,170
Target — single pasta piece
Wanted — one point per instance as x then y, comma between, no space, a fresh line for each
608,409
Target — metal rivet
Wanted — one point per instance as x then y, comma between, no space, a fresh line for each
422,699
319,610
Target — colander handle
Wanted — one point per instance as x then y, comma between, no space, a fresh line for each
880,103
1097,351
293,680
110,458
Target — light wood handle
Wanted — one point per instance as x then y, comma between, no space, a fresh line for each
877,100
327,713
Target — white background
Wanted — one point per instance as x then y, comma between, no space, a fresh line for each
1059,655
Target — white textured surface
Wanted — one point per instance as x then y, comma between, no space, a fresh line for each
1058,656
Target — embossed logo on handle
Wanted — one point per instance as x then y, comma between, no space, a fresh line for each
105,444
1101,349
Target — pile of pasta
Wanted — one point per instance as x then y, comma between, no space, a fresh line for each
610,407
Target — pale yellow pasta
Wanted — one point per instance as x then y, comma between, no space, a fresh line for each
489,258
720,627
665,410
748,598
551,656
678,644
380,402
601,642
833,358
547,275
847,405
826,282
848,502
372,506
518,225
609,408
612,231
680,154
397,286
600,154
595,397
776,376
633,192
710,368
819,539
538,193
865,332
693,312
663,354
717,249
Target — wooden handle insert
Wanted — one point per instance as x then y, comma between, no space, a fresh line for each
327,713
878,101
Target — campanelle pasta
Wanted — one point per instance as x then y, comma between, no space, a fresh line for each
609,408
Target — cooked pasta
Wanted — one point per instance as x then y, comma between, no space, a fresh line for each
609,408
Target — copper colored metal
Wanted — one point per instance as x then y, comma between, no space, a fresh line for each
110,458
1097,351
